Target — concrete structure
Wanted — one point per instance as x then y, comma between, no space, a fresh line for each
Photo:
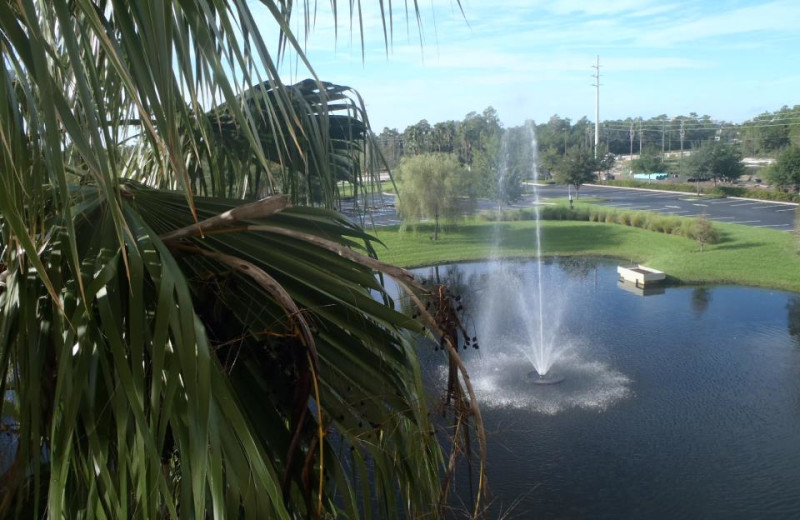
640,275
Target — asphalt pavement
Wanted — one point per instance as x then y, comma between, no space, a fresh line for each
381,211
756,213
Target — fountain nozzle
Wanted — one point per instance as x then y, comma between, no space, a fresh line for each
544,379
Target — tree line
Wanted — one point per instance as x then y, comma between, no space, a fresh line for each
496,164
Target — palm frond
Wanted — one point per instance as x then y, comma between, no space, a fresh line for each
172,350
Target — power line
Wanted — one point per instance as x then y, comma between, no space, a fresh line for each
597,106
691,126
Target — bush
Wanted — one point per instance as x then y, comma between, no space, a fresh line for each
724,191
700,229
703,231
671,225
637,219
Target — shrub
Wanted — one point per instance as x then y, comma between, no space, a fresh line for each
703,231
637,219
725,191
686,228
671,225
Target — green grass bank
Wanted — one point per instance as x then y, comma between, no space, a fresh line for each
745,256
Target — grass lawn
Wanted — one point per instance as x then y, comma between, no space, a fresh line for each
746,255
346,189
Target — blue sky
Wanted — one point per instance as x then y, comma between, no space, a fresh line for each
530,59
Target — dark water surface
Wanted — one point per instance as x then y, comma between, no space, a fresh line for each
684,404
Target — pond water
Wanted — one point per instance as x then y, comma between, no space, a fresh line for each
684,404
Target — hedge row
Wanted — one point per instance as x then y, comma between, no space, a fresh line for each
695,228
726,191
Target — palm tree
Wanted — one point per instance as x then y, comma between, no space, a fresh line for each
186,328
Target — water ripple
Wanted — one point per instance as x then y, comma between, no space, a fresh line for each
501,381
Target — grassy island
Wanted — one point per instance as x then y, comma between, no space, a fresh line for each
745,255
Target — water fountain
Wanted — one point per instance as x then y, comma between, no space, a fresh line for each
519,311
537,346
543,354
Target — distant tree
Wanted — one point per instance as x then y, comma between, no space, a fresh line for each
549,160
704,232
606,161
391,146
577,168
771,131
785,173
475,133
498,177
650,161
435,186
417,138
507,186
717,161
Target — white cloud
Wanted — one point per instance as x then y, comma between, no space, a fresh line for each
772,19
536,55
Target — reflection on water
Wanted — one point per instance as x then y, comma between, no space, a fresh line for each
681,405
793,308
701,298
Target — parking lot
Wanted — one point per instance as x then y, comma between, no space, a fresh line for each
764,214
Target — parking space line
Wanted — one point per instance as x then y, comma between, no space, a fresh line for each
774,225
722,218
790,209
746,222
703,205
745,204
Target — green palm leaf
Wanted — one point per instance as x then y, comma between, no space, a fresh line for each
172,350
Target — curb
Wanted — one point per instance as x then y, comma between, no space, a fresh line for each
785,203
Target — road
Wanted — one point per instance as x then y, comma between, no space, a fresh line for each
763,214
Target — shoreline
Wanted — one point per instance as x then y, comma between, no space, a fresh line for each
750,257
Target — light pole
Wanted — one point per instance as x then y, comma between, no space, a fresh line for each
630,157
680,162
597,106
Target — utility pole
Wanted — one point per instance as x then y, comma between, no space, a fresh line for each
640,138
680,162
663,134
630,157
596,106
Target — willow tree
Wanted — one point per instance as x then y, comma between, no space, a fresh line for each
436,186
186,328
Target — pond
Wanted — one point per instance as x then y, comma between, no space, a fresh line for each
683,404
